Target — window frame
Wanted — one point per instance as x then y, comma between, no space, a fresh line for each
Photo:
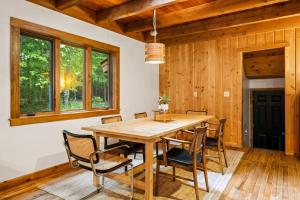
18,27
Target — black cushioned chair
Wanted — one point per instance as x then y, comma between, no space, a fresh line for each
83,152
190,159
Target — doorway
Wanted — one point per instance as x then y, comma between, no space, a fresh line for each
264,99
268,119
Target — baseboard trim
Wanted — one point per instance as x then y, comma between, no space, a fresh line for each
33,176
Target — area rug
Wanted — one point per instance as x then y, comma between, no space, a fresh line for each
79,186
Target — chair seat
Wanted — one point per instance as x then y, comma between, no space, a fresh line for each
211,142
180,156
107,163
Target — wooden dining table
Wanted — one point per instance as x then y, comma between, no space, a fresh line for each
148,132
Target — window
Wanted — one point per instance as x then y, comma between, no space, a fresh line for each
100,80
71,77
59,76
36,65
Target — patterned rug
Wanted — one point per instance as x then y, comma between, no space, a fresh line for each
79,186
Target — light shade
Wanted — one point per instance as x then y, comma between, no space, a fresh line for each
154,53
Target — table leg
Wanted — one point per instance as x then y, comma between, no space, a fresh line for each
96,180
149,171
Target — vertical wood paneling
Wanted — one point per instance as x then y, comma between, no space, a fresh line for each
297,108
290,92
212,67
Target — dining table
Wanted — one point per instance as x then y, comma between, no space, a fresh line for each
147,131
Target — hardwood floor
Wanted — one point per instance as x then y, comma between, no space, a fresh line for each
265,174
261,174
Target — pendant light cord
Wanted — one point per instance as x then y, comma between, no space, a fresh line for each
154,25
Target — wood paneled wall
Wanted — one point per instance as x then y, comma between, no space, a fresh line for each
210,67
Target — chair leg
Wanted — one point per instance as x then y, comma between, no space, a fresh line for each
225,158
131,171
103,181
196,182
205,176
156,148
144,157
126,169
174,173
134,155
220,161
157,178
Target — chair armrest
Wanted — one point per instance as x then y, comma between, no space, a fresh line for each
92,161
186,131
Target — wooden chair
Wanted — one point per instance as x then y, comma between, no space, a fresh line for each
144,115
133,146
190,160
82,152
140,115
216,143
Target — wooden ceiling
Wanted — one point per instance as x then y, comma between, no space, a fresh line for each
174,17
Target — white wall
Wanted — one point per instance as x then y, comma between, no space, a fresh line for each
266,83
29,148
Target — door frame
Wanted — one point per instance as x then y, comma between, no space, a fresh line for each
250,107
291,113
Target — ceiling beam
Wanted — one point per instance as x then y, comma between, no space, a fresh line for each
213,9
257,15
87,15
131,8
64,4
261,27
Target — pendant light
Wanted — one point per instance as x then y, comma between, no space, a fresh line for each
154,52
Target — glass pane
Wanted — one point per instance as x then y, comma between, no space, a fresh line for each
100,80
71,77
35,75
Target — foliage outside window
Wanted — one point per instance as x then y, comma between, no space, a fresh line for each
71,77
59,76
100,80
36,74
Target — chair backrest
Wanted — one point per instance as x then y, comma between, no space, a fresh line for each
220,129
198,140
80,147
140,115
198,112
106,120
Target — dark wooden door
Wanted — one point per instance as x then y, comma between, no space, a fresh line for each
268,119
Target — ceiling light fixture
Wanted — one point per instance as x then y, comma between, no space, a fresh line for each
154,52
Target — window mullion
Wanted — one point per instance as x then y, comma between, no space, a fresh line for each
88,78
57,43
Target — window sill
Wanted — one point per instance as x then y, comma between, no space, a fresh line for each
59,117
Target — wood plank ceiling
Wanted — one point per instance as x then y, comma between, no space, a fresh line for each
264,64
175,18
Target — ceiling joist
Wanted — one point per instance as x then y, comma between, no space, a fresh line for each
257,15
213,9
131,8
64,4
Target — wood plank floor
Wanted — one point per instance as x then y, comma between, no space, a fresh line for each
261,174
